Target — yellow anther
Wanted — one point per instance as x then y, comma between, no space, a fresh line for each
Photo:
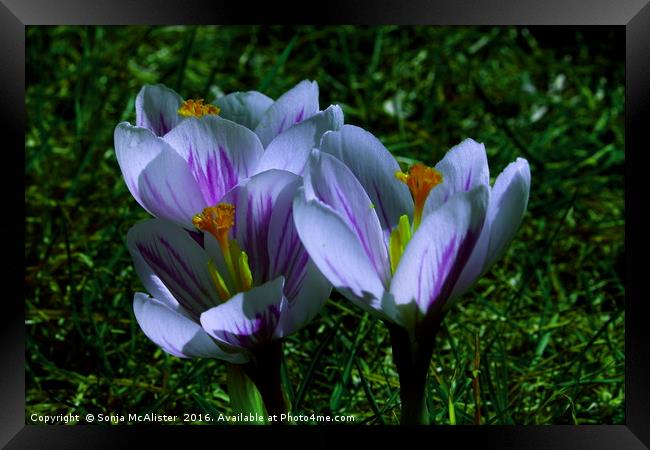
420,179
196,108
216,220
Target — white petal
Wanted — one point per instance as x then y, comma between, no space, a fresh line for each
248,319
175,333
374,167
244,108
156,108
463,168
177,260
337,253
508,204
218,153
437,253
290,150
294,106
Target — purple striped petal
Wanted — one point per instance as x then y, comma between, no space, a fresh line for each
135,148
331,182
168,190
508,204
291,149
287,256
248,319
305,288
156,108
218,152
254,201
244,108
337,252
177,260
374,167
310,292
436,255
463,168
175,333
294,106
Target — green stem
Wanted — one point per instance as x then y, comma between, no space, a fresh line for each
412,361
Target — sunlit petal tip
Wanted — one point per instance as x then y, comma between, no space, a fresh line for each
297,104
463,168
291,149
156,108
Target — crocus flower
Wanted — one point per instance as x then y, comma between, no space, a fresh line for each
403,245
182,157
251,282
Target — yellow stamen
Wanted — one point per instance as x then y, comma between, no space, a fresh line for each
420,179
218,281
218,220
245,275
196,108
399,238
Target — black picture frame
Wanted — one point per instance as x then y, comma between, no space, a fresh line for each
634,15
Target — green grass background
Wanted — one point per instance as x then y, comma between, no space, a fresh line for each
539,339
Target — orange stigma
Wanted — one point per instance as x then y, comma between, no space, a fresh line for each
196,108
420,179
216,220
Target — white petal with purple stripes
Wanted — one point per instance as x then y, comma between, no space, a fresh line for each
437,253
168,190
294,106
156,108
177,334
248,319
219,153
338,253
463,168
254,201
508,204
244,108
374,167
290,150
177,260
331,182
135,148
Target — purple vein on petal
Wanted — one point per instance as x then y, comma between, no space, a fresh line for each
253,331
468,180
229,171
281,129
191,298
164,128
300,115
453,260
343,281
294,259
158,199
296,274
382,209
256,236
357,228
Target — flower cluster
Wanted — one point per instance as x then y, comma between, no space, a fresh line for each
222,258
262,206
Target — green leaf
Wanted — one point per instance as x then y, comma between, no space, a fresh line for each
244,396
